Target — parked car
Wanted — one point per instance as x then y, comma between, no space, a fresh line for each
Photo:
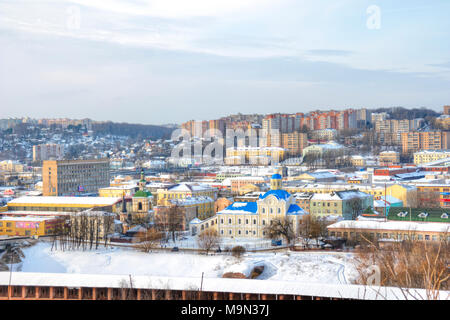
175,249
276,242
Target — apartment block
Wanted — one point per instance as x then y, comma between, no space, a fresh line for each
415,141
71,177
43,152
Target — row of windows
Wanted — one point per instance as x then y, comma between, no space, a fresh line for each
325,204
8,224
389,236
247,221
239,232
271,210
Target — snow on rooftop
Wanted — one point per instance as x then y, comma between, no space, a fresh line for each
27,218
214,285
98,201
393,225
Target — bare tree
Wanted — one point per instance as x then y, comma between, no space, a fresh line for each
170,220
208,239
355,206
429,199
282,227
149,240
312,227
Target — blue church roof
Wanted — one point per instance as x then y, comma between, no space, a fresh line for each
276,176
295,210
239,207
279,194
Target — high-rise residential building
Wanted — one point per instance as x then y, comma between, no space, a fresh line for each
72,177
389,131
414,141
43,152
294,142
447,110
379,116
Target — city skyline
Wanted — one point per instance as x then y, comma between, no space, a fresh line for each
159,62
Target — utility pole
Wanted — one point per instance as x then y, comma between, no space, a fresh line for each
385,199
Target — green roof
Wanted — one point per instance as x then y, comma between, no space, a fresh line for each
434,214
142,194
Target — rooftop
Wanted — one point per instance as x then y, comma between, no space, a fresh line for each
43,200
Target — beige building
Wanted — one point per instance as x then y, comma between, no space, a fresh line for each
388,158
430,156
394,230
11,166
254,155
71,177
240,182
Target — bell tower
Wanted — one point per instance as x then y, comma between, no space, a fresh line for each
275,181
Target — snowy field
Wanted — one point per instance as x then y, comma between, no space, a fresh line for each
305,267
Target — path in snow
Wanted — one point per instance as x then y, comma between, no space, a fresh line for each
284,266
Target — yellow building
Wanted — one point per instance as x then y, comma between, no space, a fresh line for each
184,190
357,161
339,204
30,226
249,219
63,204
406,193
202,206
116,192
430,156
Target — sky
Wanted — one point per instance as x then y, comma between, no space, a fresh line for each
170,61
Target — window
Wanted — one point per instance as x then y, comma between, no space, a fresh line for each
239,221
246,221
279,210
264,222
427,237
254,221
229,221
263,210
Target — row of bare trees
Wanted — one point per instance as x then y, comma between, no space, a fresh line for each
84,230
405,265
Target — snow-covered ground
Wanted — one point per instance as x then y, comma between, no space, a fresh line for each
326,267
